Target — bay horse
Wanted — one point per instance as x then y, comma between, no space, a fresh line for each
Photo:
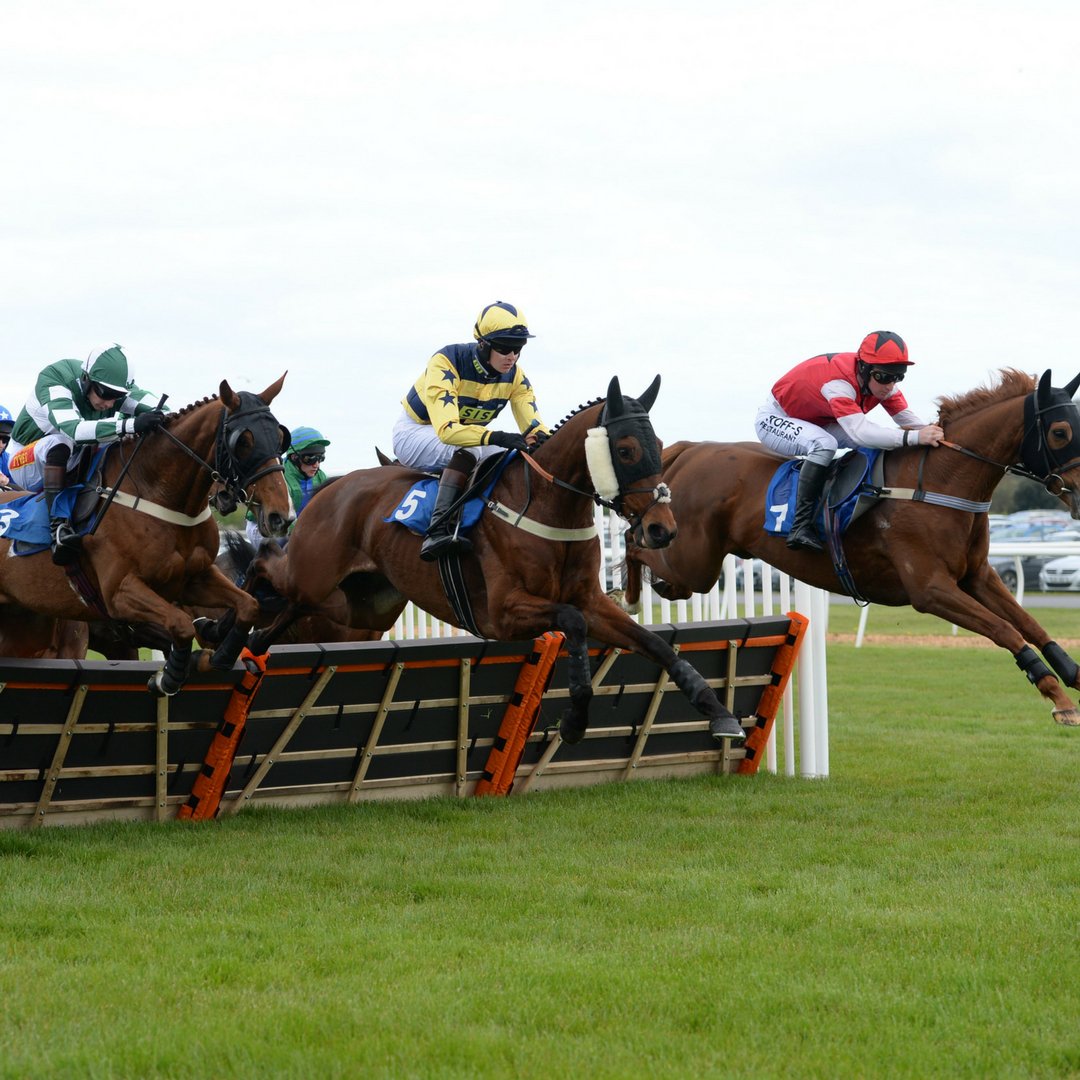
535,560
928,551
155,541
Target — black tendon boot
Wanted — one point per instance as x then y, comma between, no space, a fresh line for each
803,533
442,533
63,540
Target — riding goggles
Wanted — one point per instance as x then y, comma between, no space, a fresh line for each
107,393
887,377
311,459
505,348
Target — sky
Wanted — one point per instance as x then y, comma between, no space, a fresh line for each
710,190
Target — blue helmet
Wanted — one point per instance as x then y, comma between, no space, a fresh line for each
7,422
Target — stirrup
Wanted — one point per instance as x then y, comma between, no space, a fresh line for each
435,545
64,542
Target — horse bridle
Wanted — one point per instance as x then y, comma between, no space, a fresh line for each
661,493
234,475
1035,451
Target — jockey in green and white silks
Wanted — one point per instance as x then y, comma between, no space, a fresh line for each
76,405
303,475
446,413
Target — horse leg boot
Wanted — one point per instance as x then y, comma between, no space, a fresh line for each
63,540
811,482
442,534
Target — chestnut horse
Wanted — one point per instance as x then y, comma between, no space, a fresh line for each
535,560
154,545
929,552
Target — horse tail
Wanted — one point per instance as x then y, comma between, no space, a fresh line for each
238,553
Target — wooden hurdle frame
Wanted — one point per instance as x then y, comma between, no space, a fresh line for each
85,741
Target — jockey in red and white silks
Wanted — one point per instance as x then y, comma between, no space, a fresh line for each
820,406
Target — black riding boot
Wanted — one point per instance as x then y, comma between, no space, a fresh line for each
442,533
63,539
803,533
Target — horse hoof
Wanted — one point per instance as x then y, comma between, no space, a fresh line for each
726,727
571,733
207,631
156,685
1067,717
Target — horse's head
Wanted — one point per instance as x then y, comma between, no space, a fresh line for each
1051,446
250,443
623,456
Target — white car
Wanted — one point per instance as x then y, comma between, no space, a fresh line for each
1061,575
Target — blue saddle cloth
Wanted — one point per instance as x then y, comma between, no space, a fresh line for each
414,510
25,521
780,497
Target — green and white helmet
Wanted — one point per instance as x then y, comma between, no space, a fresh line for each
109,367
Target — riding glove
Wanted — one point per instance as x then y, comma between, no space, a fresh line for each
510,440
147,421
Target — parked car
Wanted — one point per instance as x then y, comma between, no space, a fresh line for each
1031,565
741,570
1061,575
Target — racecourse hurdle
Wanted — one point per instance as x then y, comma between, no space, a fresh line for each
805,720
83,741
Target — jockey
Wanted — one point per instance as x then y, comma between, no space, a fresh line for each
6,424
445,415
303,473
75,405
821,404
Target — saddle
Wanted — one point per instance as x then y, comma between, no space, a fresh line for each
414,510
852,486
25,520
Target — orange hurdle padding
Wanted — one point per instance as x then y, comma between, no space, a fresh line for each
209,786
773,694
520,716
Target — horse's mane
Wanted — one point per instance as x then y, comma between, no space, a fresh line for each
579,409
171,416
1011,383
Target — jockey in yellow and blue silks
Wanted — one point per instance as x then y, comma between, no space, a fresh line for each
75,405
303,474
446,413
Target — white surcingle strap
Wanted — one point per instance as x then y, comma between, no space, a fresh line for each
598,460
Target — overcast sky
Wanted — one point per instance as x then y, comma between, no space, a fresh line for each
712,190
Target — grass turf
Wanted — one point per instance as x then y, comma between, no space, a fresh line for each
914,915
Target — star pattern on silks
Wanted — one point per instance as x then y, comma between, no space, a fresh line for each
885,336
526,384
535,407
448,398
449,375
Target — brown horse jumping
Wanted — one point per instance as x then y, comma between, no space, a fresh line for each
928,552
535,561
155,543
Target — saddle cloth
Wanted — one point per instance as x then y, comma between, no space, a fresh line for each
414,510
25,521
843,489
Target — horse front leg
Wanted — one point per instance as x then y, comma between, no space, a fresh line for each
989,590
608,623
135,602
213,589
1012,630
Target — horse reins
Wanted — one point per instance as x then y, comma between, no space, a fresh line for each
1048,481
661,493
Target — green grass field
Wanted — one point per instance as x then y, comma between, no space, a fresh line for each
915,915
